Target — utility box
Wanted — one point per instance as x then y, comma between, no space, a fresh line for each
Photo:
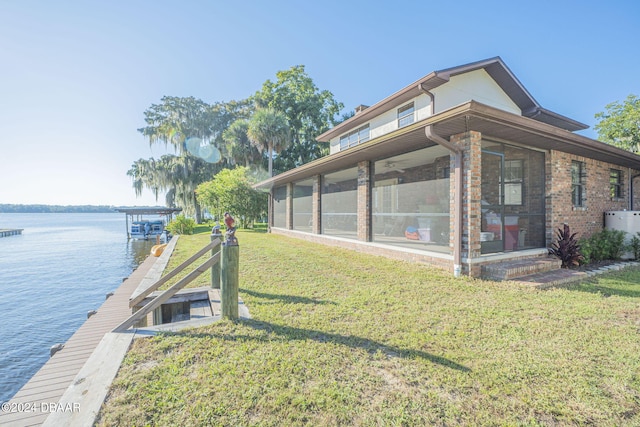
628,221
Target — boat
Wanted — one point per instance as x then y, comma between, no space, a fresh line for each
143,230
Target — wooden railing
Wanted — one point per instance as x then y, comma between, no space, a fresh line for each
214,246
227,274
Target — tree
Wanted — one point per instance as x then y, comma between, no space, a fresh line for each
231,191
238,146
178,176
619,125
308,110
177,119
269,131
194,128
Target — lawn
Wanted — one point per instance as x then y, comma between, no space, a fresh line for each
343,338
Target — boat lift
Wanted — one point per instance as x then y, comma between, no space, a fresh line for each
135,214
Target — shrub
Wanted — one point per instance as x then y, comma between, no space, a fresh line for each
566,248
604,245
634,246
181,225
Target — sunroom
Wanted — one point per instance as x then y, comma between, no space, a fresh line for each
462,186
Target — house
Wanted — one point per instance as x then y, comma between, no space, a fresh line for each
462,169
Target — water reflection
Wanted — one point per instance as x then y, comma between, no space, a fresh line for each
138,251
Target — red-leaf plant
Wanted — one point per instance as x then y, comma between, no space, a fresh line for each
566,248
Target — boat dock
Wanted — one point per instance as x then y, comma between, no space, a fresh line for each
4,232
40,397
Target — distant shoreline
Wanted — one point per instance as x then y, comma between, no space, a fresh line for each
9,208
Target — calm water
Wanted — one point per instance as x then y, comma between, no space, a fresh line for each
62,266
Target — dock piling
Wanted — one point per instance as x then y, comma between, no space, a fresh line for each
229,280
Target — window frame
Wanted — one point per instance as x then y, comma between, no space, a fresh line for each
578,184
346,139
615,183
510,182
406,115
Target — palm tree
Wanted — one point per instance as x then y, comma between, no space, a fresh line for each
269,130
239,148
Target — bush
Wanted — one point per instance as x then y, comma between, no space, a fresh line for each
181,225
566,248
634,246
604,245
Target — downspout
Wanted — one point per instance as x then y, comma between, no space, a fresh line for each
457,193
631,178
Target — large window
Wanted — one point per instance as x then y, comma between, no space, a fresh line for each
405,115
279,206
303,205
615,183
578,183
339,203
355,137
411,198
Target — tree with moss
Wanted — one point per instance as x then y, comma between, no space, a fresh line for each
194,129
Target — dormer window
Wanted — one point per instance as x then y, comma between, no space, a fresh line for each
355,137
405,115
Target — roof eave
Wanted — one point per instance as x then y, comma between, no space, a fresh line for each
566,140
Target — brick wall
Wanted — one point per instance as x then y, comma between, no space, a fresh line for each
588,219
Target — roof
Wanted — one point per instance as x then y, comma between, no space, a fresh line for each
492,122
148,210
498,71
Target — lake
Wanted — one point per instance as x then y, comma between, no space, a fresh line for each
61,267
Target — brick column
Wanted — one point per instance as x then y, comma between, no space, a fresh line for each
364,200
471,143
288,219
316,213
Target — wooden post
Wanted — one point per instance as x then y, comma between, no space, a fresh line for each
215,268
229,279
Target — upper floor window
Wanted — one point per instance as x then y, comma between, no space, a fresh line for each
578,183
355,137
405,115
615,183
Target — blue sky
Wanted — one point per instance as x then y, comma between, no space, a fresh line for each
77,76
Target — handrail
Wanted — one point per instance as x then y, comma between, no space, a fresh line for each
164,297
164,279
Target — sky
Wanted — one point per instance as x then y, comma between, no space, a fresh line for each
77,76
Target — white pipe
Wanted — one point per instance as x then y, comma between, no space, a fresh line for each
457,196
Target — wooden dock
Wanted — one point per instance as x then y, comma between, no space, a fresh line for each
38,398
4,232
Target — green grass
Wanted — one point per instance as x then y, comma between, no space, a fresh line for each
342,338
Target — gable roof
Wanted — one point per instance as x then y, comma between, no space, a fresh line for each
498,71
